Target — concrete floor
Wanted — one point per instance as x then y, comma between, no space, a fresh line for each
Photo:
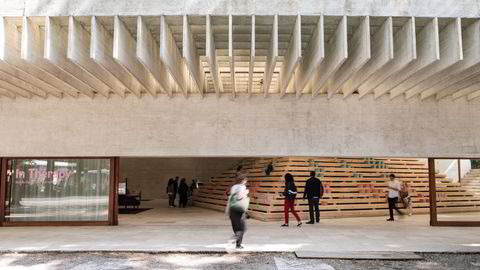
195,229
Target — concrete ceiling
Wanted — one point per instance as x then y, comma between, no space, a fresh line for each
269,55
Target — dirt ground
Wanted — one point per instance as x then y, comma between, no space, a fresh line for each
280,261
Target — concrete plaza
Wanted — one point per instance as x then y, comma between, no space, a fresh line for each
195,229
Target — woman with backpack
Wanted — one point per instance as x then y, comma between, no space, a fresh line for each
290,194
237,206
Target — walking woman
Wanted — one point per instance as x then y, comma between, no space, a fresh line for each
237,207
290,194
171,192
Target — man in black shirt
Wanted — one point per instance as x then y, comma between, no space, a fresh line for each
313,192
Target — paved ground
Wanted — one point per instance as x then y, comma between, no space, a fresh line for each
200,230
264,261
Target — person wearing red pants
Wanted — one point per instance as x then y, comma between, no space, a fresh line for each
290,194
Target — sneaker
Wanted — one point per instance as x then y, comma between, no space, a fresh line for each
309,222
239,247
390,219
299,224
284,225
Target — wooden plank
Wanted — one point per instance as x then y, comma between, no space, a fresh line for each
124,51
336,55
101,51
358,52
405,51
211,54
231,55
172,58
292,57
271,57
190,54
428,52
314,55
78,51
29,76
382,53
451,52
56,43
148,54
251,65
32,51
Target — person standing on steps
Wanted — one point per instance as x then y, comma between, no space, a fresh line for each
290,194
394,188
237,206
313,192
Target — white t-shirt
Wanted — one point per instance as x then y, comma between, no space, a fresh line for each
238,189
394,184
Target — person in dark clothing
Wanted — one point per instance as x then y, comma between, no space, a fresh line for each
183,192
193,185
313,192
290,194
171,192
175,186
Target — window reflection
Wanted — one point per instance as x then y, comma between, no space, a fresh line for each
57,190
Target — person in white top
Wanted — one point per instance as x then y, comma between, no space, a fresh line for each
237,206
394,187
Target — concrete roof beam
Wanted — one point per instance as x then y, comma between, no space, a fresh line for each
337,53
381,54
404,52
428,52
191,56
272,57
358,55
211,55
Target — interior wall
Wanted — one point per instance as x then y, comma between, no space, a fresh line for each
150,175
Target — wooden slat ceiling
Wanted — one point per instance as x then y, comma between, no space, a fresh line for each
51,57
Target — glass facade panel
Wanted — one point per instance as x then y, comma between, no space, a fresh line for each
57,189
457,187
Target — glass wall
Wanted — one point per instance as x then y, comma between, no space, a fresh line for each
456,189
57,189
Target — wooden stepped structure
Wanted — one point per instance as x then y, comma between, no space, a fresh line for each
353,186
471,181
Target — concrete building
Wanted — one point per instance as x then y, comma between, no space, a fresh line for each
104,80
